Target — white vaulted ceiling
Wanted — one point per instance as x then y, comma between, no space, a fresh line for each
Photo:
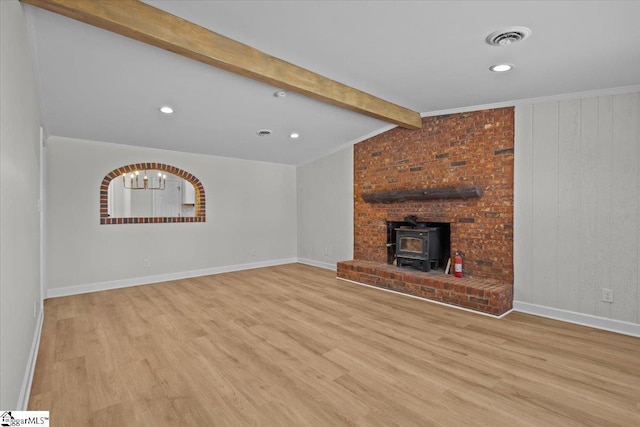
424,55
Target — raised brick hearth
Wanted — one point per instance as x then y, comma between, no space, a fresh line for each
488,296
465,149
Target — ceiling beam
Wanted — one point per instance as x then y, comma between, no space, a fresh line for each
145,23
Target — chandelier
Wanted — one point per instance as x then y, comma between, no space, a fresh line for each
134,181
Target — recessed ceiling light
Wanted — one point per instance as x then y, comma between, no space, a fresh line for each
500,68
166,109
294,135
280,94
263,132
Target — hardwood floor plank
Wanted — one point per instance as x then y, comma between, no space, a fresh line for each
292,345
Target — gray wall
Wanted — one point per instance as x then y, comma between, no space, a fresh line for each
576,205
325,210
19,193
251,217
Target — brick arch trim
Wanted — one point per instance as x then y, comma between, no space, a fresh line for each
116,173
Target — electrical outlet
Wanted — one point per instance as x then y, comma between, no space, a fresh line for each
145,262
607,295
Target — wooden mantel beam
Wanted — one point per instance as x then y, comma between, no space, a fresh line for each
461,192
145,23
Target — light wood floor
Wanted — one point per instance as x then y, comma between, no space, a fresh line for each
291,345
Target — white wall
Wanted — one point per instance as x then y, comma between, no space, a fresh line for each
19,193
577,189
325,210
251,218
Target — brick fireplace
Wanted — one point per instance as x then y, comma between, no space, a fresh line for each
456,150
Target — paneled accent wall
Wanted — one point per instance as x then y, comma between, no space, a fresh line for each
325,209
576,205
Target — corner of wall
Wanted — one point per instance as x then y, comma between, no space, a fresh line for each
324,191
20,123
25,390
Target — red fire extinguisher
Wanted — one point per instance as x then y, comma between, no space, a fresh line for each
457,265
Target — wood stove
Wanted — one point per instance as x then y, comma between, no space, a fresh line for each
418,247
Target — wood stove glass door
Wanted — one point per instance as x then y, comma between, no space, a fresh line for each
412,244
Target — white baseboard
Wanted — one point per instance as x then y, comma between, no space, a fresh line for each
612,325
25,390
468,310
136,281
327,265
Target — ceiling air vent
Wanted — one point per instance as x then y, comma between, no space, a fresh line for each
264,132
508,36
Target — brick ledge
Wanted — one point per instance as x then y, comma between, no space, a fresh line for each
487,296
